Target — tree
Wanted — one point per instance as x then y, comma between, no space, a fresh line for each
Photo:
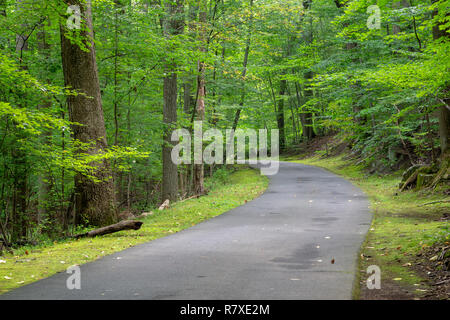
441,32
94,196
244,68
199,168
173,25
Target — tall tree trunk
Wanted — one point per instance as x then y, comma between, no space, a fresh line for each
444,126
291,102
118,176
130,174
94,201
44,177
244,70
308,130
20,163
170,170
189,99
199,173
444,109
280,115
307,115
173,25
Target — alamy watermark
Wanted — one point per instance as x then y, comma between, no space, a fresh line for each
374,20
374,280
214,151
74,281
74,20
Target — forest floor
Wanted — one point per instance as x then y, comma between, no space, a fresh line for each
406,237
29,264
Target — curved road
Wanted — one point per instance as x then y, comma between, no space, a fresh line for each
279,246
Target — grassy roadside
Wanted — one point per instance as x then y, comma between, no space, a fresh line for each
401,229
29,264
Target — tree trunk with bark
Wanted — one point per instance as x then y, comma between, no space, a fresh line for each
198,178
20,168
280,115
173,25
440,33
444,109
94,201
44,178
307,115
244,70
122,225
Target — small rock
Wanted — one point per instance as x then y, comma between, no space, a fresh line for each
165,205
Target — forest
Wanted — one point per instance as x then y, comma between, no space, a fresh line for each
90,92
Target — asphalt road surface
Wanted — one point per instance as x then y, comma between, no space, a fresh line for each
279,246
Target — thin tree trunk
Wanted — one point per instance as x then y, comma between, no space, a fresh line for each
294,124
444,109
199,173
130,175
44,178
20,165
307,115
173,25
280,115
244,70
308,130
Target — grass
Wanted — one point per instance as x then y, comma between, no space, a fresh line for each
401,227
30,264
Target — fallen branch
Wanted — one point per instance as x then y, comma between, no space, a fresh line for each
441,282
193,197
122,225
433,202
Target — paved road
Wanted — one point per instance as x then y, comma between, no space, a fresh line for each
279,246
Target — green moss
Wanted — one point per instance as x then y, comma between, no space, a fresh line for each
401,227
41,262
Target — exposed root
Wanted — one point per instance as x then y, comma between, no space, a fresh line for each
442,174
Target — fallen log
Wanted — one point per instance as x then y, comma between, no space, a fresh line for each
433,202
122,225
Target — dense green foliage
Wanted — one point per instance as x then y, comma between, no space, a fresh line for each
308,68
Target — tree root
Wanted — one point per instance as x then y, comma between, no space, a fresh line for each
441,174
438,173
